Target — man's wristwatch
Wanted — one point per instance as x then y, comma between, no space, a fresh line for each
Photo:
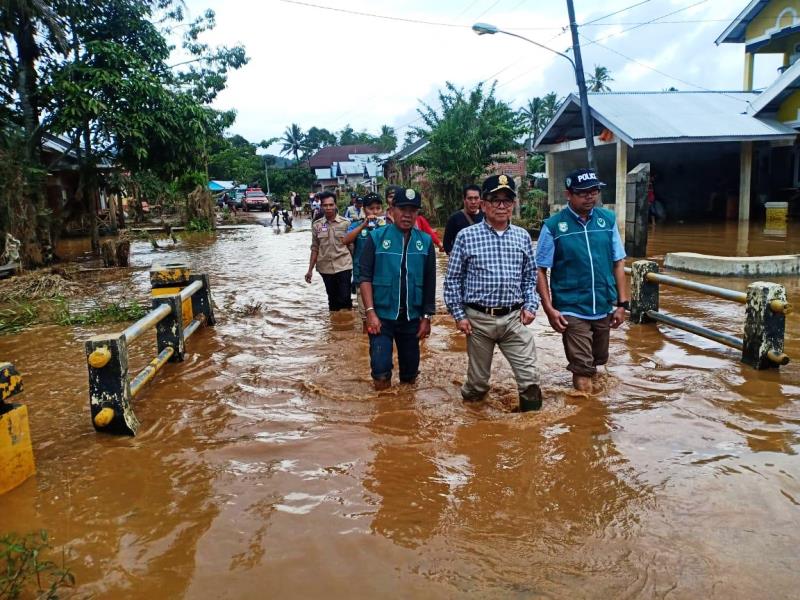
624,304
426,317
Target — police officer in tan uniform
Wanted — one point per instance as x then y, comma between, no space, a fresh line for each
330,254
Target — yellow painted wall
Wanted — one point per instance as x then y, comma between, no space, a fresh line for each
766,19
788,110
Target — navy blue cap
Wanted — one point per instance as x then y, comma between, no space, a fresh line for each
372,198
499,182
407,197
583,179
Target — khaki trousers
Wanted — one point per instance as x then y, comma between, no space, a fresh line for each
515,342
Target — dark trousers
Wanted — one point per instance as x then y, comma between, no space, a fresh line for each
338,287
403,333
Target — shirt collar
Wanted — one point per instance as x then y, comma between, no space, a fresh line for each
485,223
577,216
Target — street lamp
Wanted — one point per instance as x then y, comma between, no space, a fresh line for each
588,131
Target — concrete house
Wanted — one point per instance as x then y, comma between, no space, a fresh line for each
715,154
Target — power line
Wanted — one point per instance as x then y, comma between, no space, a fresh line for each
373,15
622,10
667,75
649,22
468,8
496,2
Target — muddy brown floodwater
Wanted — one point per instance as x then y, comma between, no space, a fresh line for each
267,467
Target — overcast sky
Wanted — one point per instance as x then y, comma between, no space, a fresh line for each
325,68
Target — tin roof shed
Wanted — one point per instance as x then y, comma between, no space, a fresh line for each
664,117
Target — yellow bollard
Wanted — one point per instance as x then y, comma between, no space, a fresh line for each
16,451
171,279
100,357
104,417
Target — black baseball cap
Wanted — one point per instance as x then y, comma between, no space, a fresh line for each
583,179
499,182
372,198
358,199
407,197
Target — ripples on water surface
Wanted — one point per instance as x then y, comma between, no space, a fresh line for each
267,467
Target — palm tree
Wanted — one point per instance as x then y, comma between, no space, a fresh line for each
293,141
598,80
533,115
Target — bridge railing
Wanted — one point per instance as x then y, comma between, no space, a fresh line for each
175,317
765,313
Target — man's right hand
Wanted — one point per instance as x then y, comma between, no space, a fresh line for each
464,326
308,277
373,323
557,320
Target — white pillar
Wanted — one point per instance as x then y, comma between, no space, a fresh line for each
552,184
621,199
745,176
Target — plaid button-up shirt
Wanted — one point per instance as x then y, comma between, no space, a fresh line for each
491,268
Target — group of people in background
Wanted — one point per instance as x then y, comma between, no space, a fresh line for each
494,285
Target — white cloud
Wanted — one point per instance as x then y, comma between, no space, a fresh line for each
317,67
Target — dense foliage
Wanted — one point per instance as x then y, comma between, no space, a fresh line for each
98,74
467,132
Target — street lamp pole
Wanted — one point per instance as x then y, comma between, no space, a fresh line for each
577,69
588,128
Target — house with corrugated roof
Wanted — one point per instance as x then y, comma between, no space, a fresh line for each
714,154
347,166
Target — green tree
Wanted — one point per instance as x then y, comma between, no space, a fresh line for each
598,80
387,139
292,141
347,136
317,138
468,132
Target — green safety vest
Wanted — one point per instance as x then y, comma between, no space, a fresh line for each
582,277
386,276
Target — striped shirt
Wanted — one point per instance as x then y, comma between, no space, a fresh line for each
490,268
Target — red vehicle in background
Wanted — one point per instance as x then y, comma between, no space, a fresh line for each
255,199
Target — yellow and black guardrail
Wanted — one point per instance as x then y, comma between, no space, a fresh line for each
181,304
765,313
16,451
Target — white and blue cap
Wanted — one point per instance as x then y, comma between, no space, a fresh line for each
582,179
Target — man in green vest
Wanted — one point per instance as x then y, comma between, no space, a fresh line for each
397,274
587,294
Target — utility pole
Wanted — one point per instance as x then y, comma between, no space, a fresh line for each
581,81
266,173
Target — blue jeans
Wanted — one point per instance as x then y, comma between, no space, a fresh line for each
404,334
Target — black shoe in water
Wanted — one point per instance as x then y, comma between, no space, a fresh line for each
530,399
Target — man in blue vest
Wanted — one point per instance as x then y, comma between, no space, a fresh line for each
587,293
397,274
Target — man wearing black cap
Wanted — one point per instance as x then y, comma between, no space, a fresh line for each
587,294
490,289
398,286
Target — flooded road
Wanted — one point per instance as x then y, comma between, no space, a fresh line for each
267,467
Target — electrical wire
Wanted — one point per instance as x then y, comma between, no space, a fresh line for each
622,10
667,75
373,15
650,22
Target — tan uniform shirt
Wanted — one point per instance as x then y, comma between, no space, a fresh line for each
333,256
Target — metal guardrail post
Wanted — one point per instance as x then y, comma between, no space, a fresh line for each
644,293
764,327
109,384
169,331
201,301
171,278
16,451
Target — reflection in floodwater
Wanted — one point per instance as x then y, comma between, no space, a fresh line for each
268,467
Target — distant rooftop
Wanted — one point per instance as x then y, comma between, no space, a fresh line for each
327,156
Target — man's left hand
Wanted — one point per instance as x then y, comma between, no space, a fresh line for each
617,318
526,316
424,328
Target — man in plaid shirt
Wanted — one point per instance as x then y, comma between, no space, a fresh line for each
490,289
